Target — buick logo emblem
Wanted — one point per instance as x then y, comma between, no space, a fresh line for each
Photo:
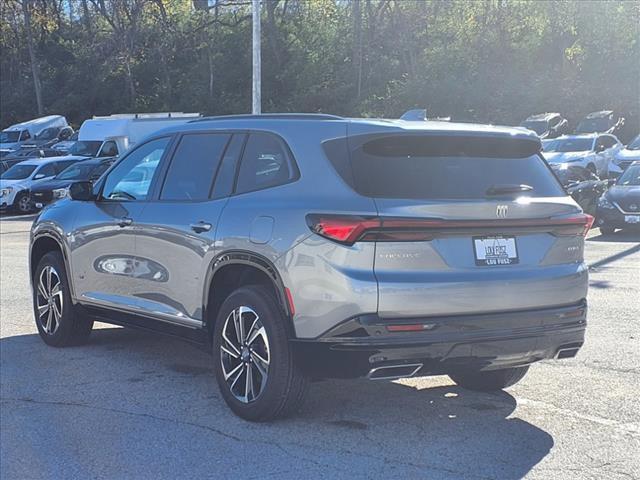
501,211
633,207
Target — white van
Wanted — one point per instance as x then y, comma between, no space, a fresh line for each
112,135
13,137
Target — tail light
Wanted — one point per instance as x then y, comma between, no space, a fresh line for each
349,229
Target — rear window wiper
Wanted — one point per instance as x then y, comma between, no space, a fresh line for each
505,189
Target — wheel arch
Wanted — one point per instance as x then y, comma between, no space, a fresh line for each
234,269
43,243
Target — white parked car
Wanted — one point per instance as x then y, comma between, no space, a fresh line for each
629,154
17,180
594,152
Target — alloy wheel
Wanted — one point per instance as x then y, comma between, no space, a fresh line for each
23,204
245,354
50,300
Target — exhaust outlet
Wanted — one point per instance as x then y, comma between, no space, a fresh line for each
566,353
392,372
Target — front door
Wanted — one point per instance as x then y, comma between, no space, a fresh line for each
103,261
176,236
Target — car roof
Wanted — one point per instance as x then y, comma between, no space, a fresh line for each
600,114
542,116
580,135
357,125
45,160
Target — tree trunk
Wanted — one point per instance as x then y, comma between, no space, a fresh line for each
35,71
357,50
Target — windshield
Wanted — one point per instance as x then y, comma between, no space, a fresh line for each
76,172
538,126
547,145
9,137
591,125
47,134
634,144
86,148
570,145
631,177
18,172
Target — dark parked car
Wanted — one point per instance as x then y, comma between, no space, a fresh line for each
51,190
584,186
605,121
547,125
11,159
48,137
620,206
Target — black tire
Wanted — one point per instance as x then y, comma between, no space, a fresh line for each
282,390
607,230
21,203
592,168
71,328
489,381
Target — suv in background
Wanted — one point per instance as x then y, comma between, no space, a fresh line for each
312,246
593,152
547,125
605,121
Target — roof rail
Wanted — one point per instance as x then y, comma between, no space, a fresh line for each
149,115
272,116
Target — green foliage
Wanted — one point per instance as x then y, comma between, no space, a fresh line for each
490,61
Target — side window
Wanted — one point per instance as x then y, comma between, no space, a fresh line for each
607,141
25,135
47,170
131,179
227,172
109,149
193,167
554,121
265,163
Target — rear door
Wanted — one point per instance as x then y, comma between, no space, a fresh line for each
470,225
176,236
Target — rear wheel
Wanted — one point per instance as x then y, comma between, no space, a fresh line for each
489,381
58,320
22,203
253,360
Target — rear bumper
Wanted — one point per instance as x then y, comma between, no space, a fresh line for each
612,217
445,343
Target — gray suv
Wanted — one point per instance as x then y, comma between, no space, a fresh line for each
300,247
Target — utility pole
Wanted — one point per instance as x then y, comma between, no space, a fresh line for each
256,107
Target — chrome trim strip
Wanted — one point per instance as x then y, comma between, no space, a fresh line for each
417,366
111,302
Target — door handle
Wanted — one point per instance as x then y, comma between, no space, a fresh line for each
201,227
124,222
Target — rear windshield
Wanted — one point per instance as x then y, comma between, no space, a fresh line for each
421,167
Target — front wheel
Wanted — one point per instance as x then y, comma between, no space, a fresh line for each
23,203
489,381
59,322
253,359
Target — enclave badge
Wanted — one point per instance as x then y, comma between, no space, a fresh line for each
501,211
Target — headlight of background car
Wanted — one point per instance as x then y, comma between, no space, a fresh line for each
605,203
5,192
60,192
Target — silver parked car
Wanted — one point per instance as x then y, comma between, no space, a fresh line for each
313,246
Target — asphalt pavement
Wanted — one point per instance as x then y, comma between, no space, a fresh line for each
134,405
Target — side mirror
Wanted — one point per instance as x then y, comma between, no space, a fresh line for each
611,182
82,191
38,176
600,148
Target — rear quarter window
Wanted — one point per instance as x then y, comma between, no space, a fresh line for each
432,167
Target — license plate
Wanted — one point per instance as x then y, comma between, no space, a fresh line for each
495,251
632,218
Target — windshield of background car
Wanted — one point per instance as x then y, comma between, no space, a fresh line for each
631,177
18,172
570,145
547,145
634,144
85,148
47,134
593,125
76,172
537,126
9,137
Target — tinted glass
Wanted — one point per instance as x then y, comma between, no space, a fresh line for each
537,126
18,172
227,171
265,163
397,167
593,125
60,166
131,178
634,144
9,137
47,170
109,149
76,172
85,148
193,167
631,177
48,134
